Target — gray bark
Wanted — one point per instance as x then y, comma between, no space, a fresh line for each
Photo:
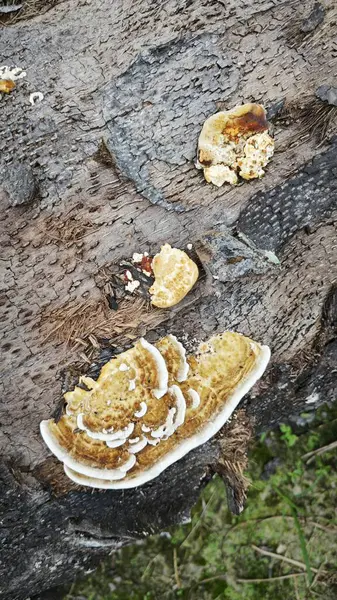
143,76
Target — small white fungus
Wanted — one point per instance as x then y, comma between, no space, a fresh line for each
12,74
132,286
35,97
137,258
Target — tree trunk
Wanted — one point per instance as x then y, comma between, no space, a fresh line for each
103,167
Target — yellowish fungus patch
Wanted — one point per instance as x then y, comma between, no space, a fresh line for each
235,143
175,275
6,85
116,437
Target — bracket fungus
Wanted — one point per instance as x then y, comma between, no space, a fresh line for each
235,143
114,437
175,275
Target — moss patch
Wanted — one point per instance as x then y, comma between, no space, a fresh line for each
290,515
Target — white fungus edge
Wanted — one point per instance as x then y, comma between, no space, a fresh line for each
132,385
193,394
116,443
105,437
161,366
138,446
81,469
142,411
167,428
180,406
184,366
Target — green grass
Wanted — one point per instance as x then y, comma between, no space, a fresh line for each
291,514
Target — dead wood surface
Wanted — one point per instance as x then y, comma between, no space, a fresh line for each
103,167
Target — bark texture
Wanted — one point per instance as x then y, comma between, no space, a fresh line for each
103,167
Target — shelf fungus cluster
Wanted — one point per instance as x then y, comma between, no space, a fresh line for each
150,406
175,275
235,143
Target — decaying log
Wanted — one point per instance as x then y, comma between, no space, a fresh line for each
103,167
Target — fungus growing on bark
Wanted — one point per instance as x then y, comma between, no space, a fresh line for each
143,263
235,143
11,74
8,77
6,85
113,437
175,275
35,97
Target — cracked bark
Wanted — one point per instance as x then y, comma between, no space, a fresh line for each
143,77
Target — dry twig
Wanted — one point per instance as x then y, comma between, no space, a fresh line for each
311,455
271,579
175,566
291,561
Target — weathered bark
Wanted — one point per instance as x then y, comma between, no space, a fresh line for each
143,76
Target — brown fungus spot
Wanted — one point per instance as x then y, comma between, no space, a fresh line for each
244,121
6,85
